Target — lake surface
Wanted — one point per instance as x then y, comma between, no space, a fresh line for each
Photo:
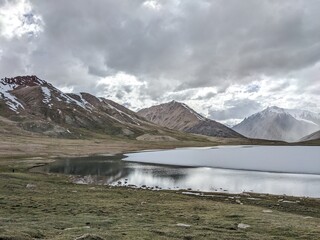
279,170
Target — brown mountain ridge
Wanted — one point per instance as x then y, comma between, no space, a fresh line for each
178,116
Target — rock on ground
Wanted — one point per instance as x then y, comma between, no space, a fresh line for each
89,237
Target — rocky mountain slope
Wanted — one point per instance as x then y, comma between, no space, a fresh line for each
276,123
179,116
37,106
312,136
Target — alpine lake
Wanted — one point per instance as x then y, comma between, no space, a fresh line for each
279,170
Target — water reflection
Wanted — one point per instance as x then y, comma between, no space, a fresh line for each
290,159
97,169
112,170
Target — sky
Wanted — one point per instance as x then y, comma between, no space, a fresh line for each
226,59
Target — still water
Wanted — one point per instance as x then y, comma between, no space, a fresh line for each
263,169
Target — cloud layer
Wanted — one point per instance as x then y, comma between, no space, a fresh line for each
226,59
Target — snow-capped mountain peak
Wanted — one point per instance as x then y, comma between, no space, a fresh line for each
275,123
275,109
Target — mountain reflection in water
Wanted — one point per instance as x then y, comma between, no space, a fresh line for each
112,170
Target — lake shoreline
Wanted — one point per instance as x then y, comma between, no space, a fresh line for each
50,206
60,210
275,183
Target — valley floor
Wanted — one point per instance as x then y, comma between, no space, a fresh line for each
41,206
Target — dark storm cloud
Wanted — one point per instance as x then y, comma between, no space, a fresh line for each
195,43
171,45
236,109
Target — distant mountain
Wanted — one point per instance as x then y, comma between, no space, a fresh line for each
179,116
312,136
276,123
38,106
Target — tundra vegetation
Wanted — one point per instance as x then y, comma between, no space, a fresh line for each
50,206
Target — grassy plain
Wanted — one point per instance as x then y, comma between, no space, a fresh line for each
50,206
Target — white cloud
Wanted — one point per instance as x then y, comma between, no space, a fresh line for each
66,89
125,89
17,19
216,57
152,4
241,100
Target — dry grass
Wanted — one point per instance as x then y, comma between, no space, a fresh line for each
54,208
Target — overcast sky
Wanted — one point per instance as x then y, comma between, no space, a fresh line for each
226,59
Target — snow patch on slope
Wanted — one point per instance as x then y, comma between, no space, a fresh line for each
303,115
10,99
123,114
46,96
70,100
85,102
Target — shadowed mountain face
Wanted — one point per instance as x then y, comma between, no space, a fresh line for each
40,107
179,116
312,136
276,123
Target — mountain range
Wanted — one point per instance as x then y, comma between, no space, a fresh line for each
34,105
37,106
276,123
179,116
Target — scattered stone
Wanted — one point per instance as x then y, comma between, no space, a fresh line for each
191,193
243,226
307,217
267,211
31,186
254,199
245,194
239,202
183,225
74,191
285,201
89,237
143,203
